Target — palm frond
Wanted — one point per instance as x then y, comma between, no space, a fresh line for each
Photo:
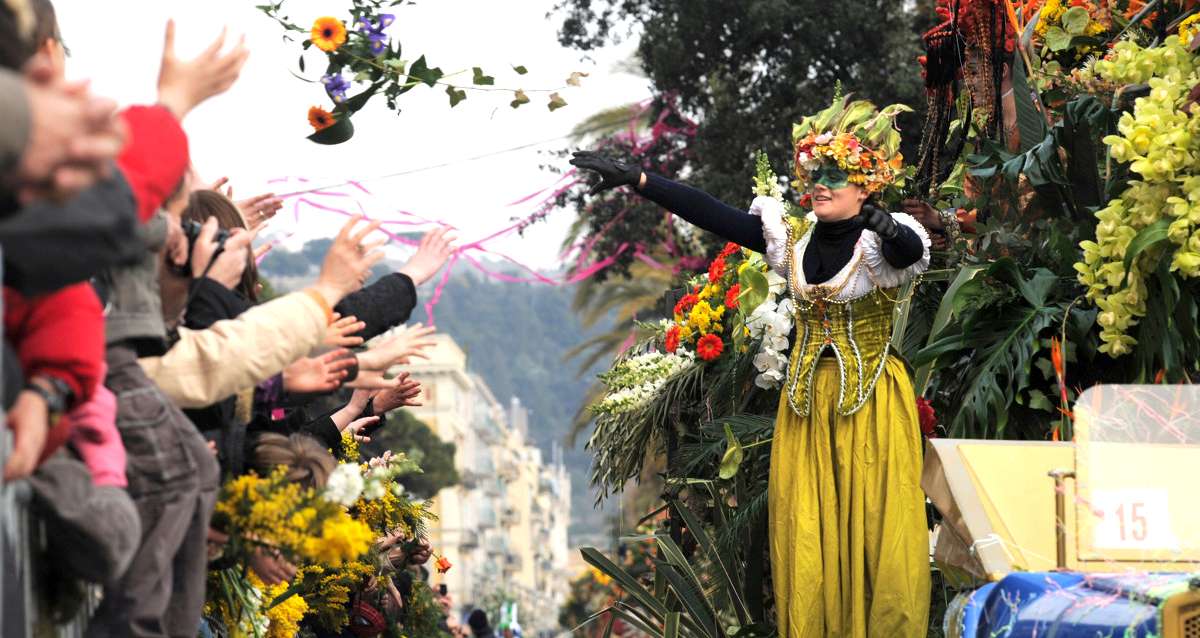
611,120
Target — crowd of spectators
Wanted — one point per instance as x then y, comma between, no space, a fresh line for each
141,364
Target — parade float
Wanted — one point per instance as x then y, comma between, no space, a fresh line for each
1052,346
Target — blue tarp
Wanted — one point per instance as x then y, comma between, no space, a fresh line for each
1065,605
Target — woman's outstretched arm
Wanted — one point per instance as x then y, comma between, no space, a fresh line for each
706,211
692,204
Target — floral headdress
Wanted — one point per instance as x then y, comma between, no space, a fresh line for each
856,137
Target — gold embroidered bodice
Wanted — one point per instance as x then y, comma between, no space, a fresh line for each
857,328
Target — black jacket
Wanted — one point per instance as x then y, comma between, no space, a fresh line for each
383,305
49,246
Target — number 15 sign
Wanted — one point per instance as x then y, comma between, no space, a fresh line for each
1132,519
1137,451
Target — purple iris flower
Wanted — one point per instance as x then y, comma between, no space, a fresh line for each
373,30
336,86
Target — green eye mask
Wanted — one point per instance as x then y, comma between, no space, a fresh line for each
831,177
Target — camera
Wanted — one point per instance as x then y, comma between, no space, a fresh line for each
191,230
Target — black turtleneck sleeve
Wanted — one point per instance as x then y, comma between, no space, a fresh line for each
707,212
903,250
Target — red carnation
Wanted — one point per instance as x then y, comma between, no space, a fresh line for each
927,417
672,338
729,249
686,304
709,347
716,269
731,297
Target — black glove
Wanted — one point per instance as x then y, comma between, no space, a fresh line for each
612,173
880,221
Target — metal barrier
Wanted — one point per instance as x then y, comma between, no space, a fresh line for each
20,536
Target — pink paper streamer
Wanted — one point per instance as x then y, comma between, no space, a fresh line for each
542,199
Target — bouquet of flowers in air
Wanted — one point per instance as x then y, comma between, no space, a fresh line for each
363,59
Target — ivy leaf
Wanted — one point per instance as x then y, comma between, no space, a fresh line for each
456,95
520,69
734,454
1057,39
519,98
1038,401
1076,20
481,79
575,77
556,102
421,71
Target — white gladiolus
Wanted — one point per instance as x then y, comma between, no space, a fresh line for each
635,381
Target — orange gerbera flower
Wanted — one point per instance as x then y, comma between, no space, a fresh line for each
710,347
731,297
320,118
328,33
672,341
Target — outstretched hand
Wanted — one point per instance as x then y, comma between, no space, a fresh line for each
341,333
435,248
406,394
317,374
184,84
612,173
411,341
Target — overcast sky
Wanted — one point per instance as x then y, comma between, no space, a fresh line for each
256,131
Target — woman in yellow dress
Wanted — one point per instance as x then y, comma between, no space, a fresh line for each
849,543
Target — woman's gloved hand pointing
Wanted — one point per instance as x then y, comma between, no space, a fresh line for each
612,173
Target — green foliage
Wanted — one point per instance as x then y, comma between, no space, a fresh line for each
694,595
998,337
403,432
1075,186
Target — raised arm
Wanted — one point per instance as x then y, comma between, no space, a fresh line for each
691,204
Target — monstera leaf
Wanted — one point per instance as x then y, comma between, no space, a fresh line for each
997,340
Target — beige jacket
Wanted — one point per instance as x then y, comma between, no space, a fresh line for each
206,366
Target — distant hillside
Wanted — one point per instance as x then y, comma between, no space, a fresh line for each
515,337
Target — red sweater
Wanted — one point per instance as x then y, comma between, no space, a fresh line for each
62,333
154,158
